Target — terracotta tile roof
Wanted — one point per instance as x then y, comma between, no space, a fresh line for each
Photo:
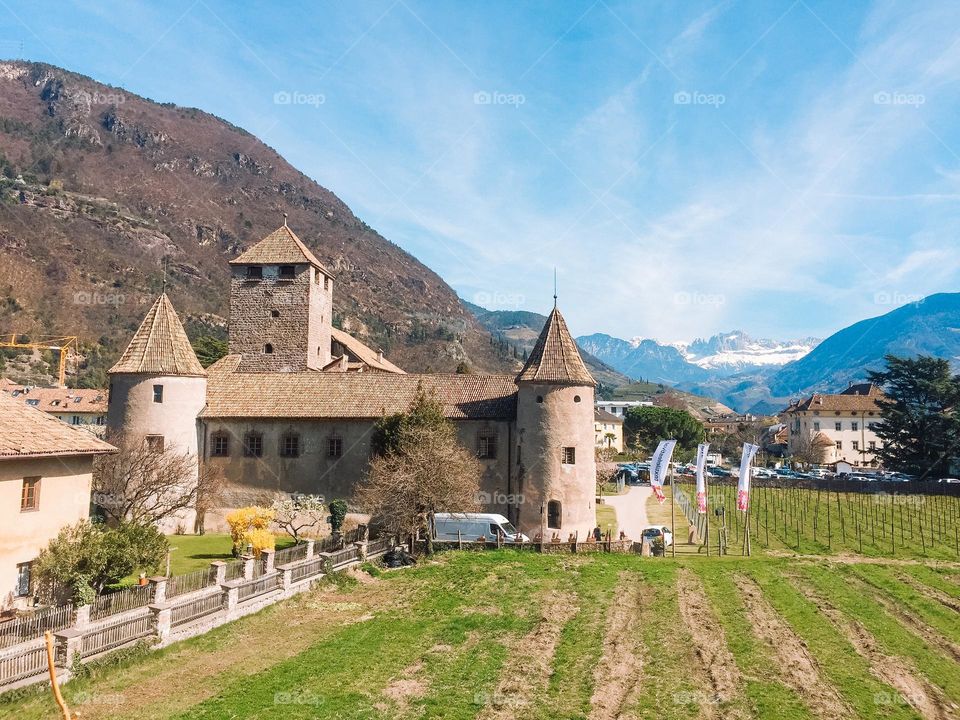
26,432
845,402
606,417
160,346
58,400
555,358
361,395
281,247
362,353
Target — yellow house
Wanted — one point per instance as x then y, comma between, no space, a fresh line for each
608,430
46,469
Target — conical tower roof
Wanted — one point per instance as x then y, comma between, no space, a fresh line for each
160,346
281,247
555,358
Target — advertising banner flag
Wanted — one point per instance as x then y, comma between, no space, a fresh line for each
702,450
743,486
659,467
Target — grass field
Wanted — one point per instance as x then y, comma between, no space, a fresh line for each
507,634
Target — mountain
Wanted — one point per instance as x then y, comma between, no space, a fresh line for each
928,327
643,359
100,190
520,329
736,352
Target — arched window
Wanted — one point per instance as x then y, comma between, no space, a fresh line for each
554,514
268,349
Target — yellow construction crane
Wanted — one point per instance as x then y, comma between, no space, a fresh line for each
62,345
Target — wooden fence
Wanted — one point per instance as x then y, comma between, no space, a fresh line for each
29,627
191,582
116,634
196,608
121,601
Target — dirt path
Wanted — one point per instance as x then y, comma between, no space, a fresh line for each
519,686
708,638
631,510
797,667
920,694
930,592
845,559
618,673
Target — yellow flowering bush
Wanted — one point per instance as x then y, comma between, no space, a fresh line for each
245,522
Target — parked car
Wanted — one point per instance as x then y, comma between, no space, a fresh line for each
764,473
820,473
718,471
473,526
653,532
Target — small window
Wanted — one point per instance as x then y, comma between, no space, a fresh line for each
816,427
75,420
487,446
872,445
253,445
856,444
254,272
268,349
576,398
155,443
839,445
838,426
287,272
30,494
158,393
854,426
33,402
290,445
326,283
569,456
220,445
554,514
334,447
274,313
24,579
539,398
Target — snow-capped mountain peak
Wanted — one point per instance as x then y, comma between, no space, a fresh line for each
736,351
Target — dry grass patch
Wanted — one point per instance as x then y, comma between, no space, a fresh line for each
618,673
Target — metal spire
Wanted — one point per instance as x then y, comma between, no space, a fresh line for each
554,288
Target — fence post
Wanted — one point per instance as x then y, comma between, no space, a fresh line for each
69,640
232,598
362,549
219,568
267,558
161,619
82,618
309,549
159,584
247,566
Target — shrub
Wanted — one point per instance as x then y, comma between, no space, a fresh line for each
338,513
260,539
243,521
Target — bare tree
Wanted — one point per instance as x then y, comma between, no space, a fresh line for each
296,514
426,471
807,450
142,484
211,483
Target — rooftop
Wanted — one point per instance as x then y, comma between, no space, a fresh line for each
57,400
606,417
281,247
555,358
352,395
27,432
363,354
855,399
160,346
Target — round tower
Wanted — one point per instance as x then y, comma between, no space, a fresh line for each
157,390
557,472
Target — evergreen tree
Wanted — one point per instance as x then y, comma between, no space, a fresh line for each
921,427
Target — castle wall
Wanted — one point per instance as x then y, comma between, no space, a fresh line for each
315,472
293,316
543,429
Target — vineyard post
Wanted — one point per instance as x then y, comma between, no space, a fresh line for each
956,540
843,528
859,538
673,517
829,528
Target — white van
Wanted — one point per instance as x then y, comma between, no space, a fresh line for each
473,526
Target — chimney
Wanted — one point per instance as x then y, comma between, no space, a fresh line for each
380,356
343,362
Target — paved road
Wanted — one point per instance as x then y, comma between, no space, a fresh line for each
631,509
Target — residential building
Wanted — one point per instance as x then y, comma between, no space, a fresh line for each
608,429
620,407
842,424
45,479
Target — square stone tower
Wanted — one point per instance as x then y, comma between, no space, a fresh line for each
281,306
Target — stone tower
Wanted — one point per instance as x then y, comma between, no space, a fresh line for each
281,303
158,387
557,466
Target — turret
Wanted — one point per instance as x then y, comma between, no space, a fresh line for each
557,466
158,387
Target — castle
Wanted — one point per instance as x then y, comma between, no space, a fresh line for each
292,405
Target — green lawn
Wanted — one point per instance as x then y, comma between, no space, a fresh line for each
519,634
607,519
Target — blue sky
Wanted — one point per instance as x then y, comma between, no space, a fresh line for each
782,167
